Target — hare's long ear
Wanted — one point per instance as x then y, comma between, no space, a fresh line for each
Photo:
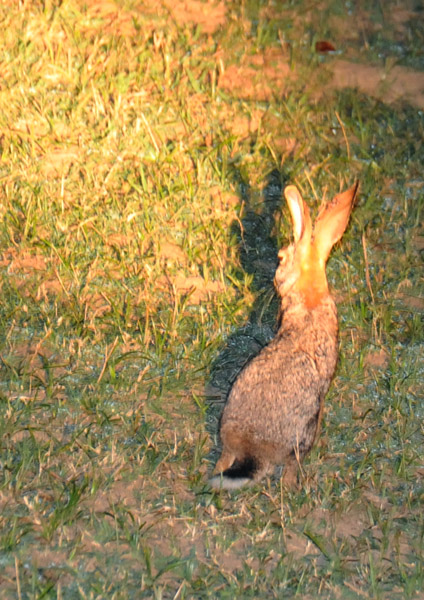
302,227
332,221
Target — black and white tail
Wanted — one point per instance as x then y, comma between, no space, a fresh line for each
239,474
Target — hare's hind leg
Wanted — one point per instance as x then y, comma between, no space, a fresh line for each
290,473
241,462
225,461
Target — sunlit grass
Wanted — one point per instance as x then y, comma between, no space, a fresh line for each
141,213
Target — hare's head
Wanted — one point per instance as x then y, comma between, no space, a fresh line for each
302,264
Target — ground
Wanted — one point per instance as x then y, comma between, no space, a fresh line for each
144,150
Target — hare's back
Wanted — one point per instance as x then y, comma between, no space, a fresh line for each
280,386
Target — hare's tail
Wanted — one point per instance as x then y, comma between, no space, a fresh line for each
242,472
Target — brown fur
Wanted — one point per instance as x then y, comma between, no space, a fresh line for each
274,408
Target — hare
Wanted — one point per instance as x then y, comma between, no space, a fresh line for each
274,407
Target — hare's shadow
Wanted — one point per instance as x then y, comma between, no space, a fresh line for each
258,249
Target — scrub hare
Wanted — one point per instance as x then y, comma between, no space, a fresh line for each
274,408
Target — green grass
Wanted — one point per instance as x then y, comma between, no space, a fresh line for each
141,213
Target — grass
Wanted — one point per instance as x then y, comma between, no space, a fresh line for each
142,163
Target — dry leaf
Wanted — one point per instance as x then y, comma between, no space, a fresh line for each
323,47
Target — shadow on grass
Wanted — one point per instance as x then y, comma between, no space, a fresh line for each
258,249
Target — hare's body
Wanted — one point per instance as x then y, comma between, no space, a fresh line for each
274,408
280,393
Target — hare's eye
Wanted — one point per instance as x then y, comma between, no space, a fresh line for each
283,257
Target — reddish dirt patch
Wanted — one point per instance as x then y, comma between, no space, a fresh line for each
172,252
377,359
209,15
116,21
22,263
58,160
197,288
399,83
264,74
258,77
